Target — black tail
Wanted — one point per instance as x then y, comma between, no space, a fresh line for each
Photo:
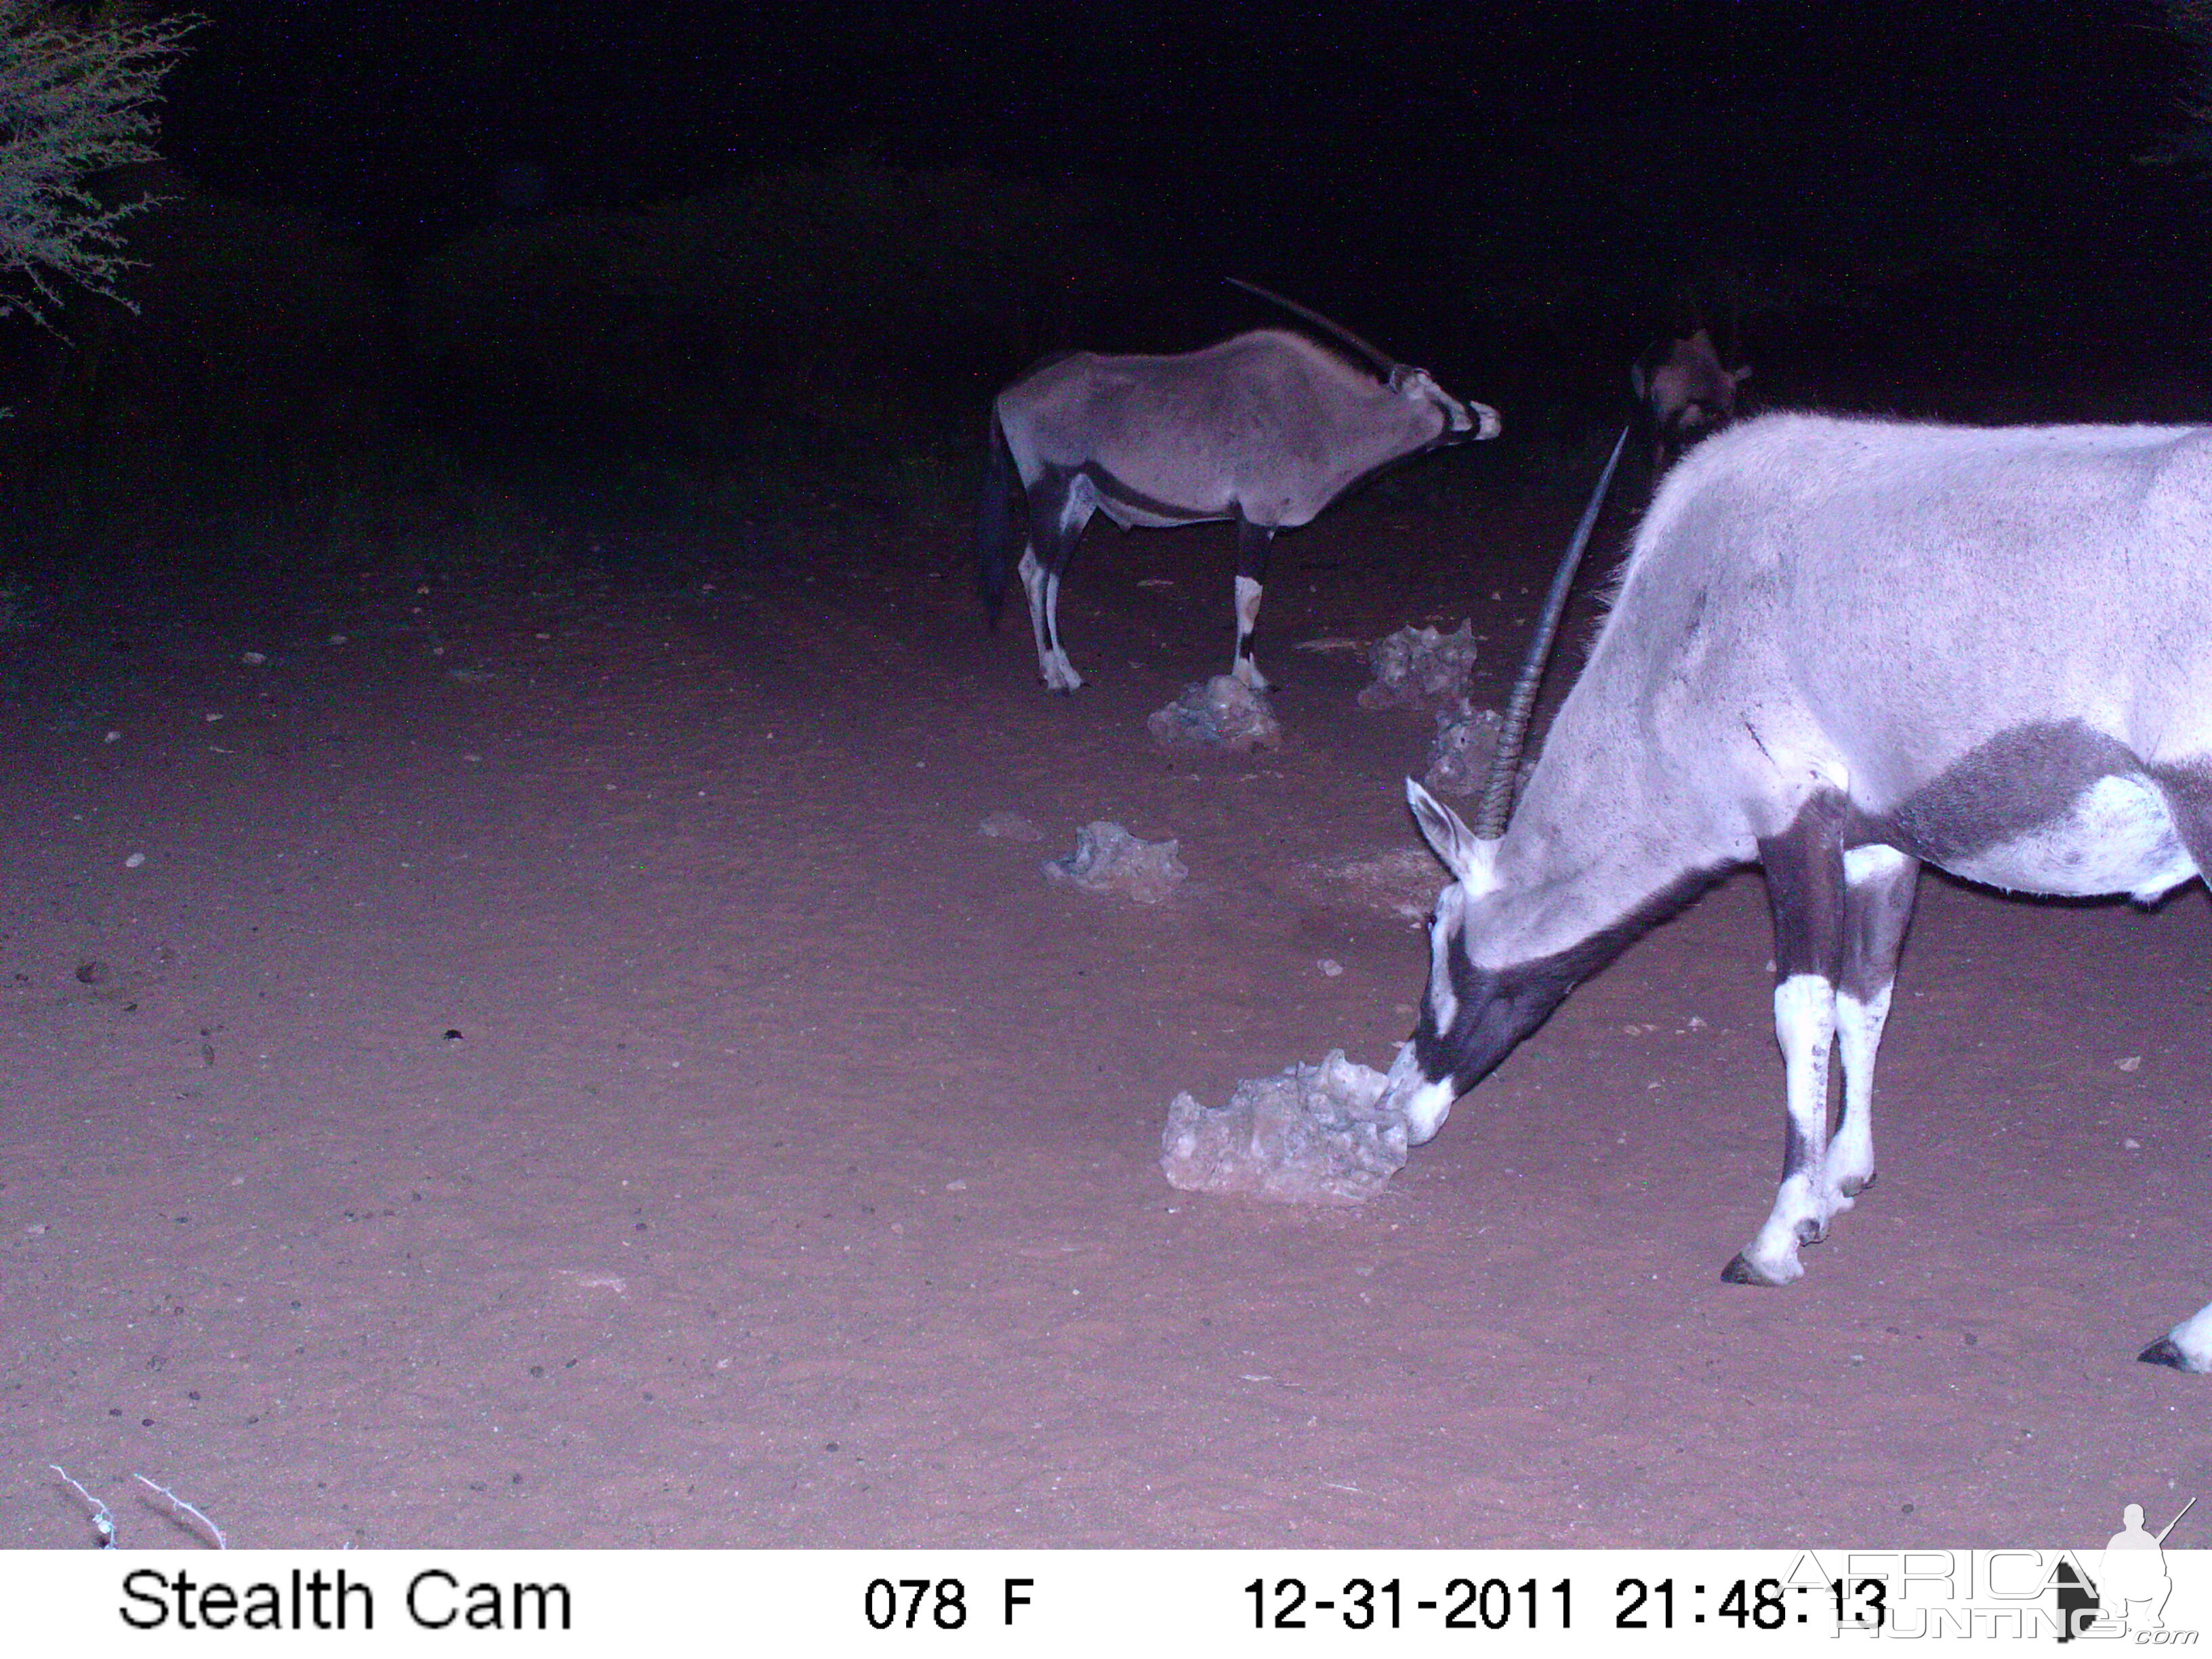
1001,523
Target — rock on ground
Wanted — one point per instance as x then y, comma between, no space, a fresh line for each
1417,665
1107,859
1311,1135
1008,826
1221,714
1460,755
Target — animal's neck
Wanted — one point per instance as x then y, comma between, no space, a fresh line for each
1590,858
1385,427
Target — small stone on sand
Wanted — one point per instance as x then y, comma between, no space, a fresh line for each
1008,826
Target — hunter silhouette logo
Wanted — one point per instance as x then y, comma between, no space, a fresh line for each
2129,1590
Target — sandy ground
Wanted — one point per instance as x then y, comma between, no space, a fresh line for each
569,1071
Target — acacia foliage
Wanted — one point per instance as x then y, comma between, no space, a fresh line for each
77,102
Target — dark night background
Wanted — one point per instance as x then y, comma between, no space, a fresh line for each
685,246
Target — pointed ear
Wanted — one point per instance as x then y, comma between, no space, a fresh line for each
1469,859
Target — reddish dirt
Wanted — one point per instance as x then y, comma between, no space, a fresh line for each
569,1071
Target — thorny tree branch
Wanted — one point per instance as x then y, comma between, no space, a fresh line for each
192,1510
103,1518
77,101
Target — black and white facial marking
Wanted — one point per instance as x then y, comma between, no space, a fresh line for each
1469,423
1264,430
1473,1014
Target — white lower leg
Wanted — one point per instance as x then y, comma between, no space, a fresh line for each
1805,1024
1033,583
1247,621
1060,674
1850,1154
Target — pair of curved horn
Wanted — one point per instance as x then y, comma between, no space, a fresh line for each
1513,730
1384,364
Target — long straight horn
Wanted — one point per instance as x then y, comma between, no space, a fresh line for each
1383,363
1513,731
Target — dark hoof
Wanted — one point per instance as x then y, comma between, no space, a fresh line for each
1853,1188
2165,1352
1741,1272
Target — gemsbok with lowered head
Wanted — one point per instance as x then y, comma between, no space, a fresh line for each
1267,429
1841,650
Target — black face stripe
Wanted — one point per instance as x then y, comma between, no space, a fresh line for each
1498,1008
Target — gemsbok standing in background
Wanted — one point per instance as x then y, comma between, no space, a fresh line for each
1685,394
1267,429
1842,649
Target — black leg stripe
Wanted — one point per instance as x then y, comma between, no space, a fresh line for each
1795,1152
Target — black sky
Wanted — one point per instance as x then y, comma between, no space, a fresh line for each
1528,192
399,119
